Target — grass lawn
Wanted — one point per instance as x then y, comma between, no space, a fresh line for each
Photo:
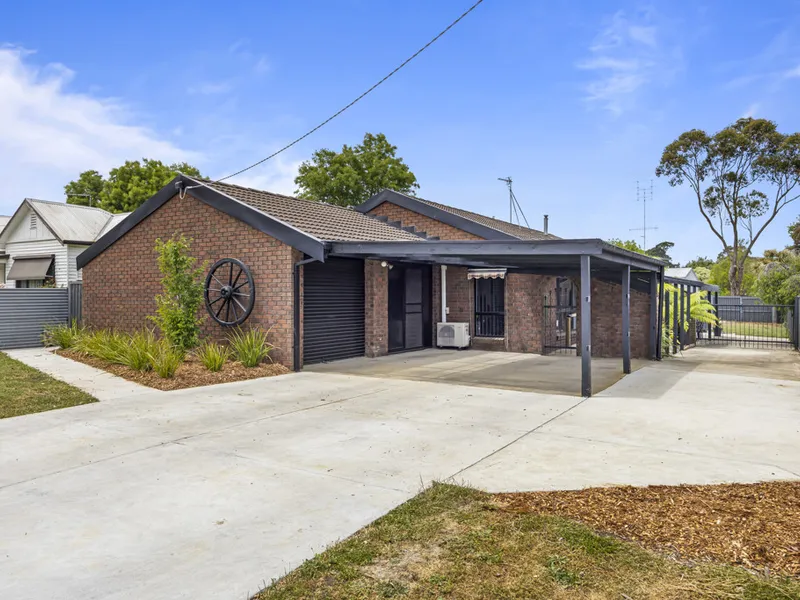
454,542
773,330
25,390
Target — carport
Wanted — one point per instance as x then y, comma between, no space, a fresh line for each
584,260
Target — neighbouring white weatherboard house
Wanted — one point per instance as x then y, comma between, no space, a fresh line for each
42,240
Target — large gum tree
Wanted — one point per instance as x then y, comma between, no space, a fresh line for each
742,177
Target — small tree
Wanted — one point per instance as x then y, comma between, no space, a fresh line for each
742,177
351,176
779,280
182,296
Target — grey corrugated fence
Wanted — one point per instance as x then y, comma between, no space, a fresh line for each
747,309
24,313
75,302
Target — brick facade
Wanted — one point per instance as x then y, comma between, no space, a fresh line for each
376,307
120,285
430,226
607,321
525,295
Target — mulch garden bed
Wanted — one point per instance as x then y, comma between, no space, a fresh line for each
756,526
190,374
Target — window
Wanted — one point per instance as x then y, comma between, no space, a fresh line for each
34,225
30,283
2,274
490,309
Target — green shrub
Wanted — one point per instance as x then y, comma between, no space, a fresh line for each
250,348
165,359
213,355
177,307
62,335
141,345
111,346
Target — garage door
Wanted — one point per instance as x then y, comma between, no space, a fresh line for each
333,310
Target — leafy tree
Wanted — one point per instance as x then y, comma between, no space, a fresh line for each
658,251
87,190
779,279
794,233
742,177
127,186
700,261
703,273
631,245
182,293
661,251
720,276
355,174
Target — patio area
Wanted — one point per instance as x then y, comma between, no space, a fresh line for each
555,374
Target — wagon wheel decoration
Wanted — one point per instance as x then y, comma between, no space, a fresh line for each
230,292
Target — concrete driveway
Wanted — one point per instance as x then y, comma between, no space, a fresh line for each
210,493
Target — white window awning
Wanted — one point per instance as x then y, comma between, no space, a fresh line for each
486,273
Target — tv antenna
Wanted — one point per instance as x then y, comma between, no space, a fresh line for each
514,207
641,195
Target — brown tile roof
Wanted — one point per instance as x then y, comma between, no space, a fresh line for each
324,221
523,233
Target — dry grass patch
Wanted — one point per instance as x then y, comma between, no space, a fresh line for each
756,525
454,542
24,390
191,373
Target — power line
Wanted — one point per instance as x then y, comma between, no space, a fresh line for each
340,111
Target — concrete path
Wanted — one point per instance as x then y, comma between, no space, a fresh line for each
100,384
210,493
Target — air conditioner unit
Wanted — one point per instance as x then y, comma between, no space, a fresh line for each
452,335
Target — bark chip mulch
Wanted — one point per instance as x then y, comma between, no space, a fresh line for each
191,373
756,526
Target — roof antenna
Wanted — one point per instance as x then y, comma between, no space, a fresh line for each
514,206
89,196
641,193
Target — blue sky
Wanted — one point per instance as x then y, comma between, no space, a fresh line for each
574,100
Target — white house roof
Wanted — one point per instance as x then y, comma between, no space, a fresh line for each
70,223
4,221
112,222
681,273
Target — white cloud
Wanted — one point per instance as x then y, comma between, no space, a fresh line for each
276,175
752,110
49,134
792,73
210,88
624,58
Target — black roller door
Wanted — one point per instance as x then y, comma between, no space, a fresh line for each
333,310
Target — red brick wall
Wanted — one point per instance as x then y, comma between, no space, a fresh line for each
120,285
525,310
430,226
607,321
376,306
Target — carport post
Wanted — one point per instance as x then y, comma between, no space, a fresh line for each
682,336
586,326
626,319
676,332
653,316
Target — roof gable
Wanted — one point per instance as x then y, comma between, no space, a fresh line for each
474,223
68,223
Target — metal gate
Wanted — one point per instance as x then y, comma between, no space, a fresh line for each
767,326
333,310
560,329
25,312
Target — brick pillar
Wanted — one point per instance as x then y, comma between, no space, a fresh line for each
376,306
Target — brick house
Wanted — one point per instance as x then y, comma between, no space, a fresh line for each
335,283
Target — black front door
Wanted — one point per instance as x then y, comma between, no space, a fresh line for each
409,308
